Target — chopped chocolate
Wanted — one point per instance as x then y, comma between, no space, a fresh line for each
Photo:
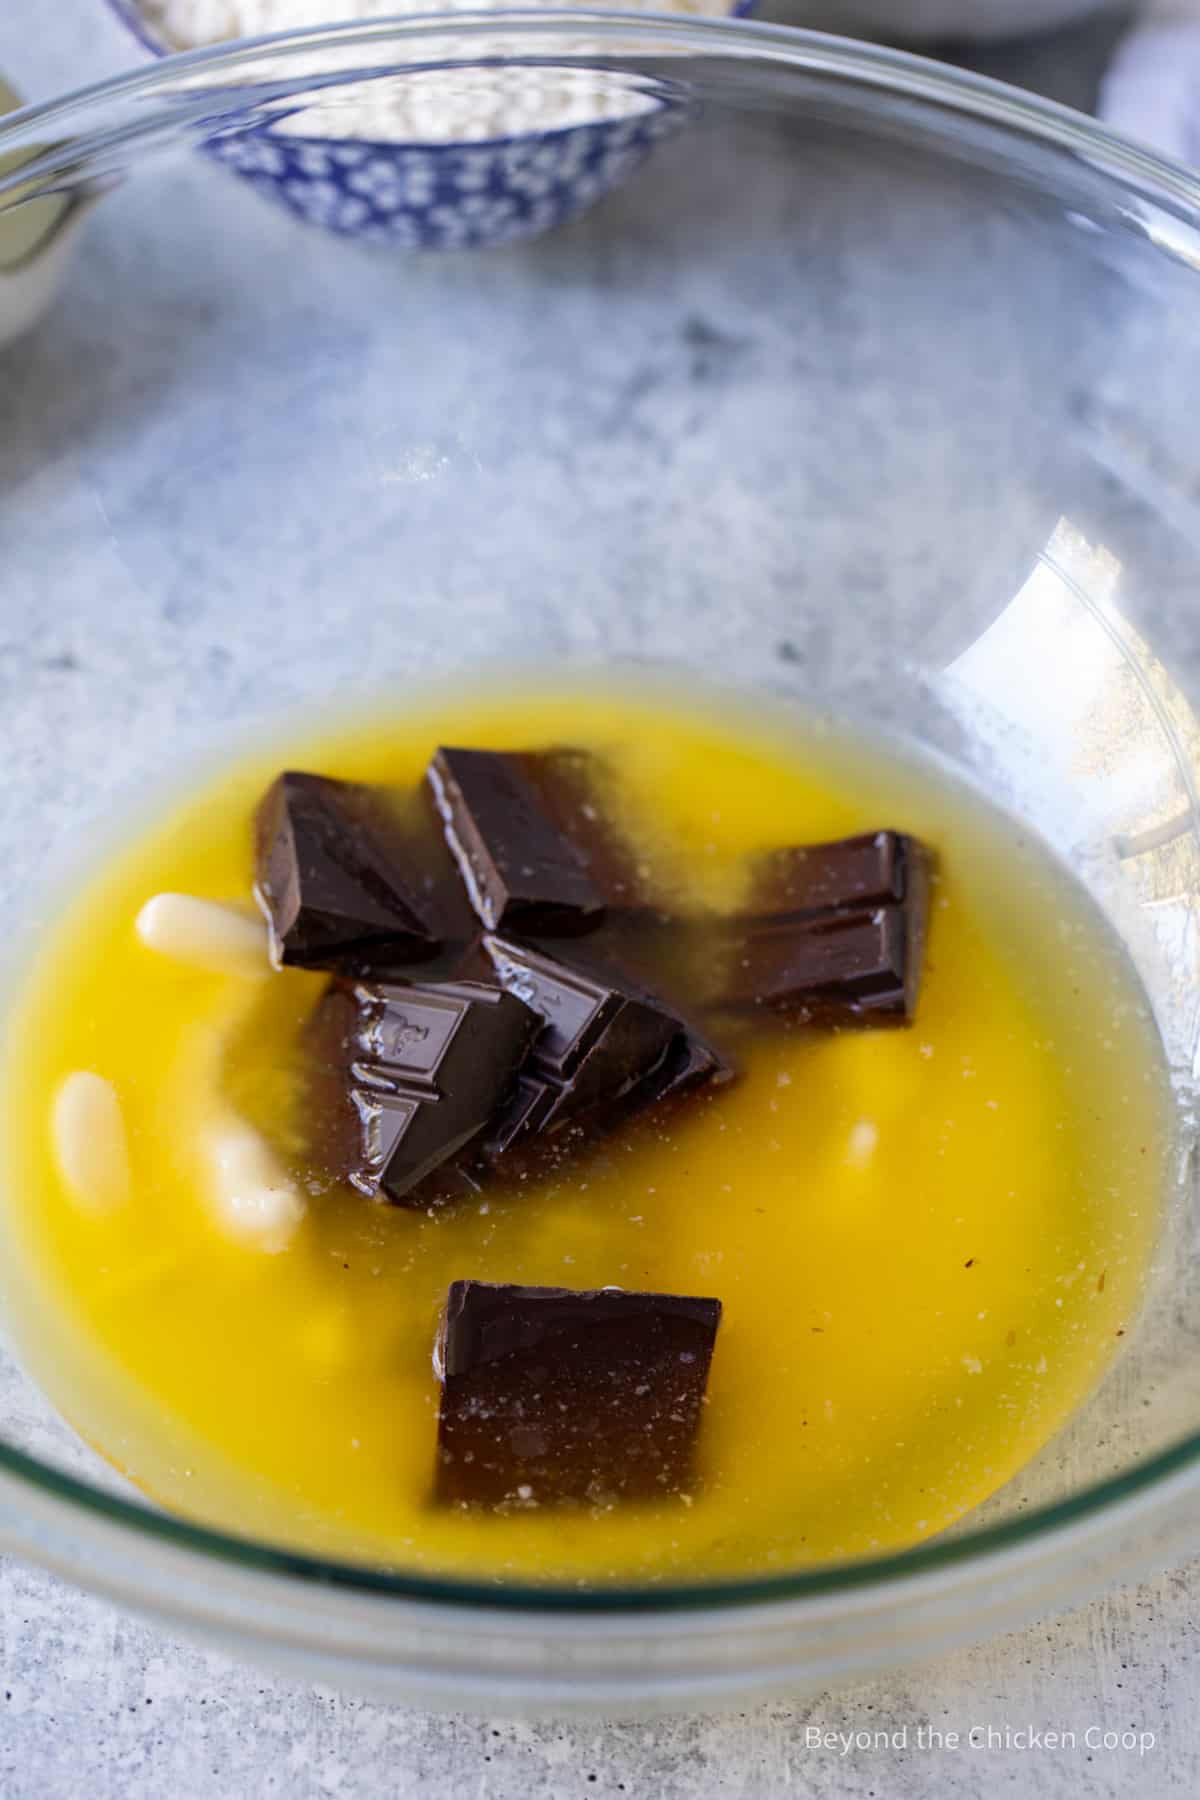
456,959
334,877
579,789
687,1064
833,933
858,872
579,1051
521,1117
503,817
552,1396
691,1062
574,1008
831,969
601,1044
418,1071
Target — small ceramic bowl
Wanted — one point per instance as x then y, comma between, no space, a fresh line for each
439,193
446,196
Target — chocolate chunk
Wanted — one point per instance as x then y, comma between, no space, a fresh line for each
521,1117
831,969
600,1040
332,876
455,959
398,1106
502,816
598,1107
575,1008
552,1396
418,1071
857,873
691,1062
834,933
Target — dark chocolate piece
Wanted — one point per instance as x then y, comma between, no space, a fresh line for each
332,877
582,795
834,933
600,1040
501,813
688,1064
856,873
552,1396
691,1062
521,1117
455,959
575,1008
835,968
418,1073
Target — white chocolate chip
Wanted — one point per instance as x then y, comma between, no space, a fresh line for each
205,934
254,1197
90,1146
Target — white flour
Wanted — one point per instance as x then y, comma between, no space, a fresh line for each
187,24
468,105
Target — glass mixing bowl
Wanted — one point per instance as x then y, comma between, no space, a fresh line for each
873,386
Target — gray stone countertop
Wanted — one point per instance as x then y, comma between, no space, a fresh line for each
93,1703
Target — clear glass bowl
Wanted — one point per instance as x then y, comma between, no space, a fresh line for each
873,385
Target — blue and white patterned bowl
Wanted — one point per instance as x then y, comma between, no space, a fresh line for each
446,196
441,195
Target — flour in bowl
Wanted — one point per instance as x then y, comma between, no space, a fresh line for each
432,106
187,24
465,105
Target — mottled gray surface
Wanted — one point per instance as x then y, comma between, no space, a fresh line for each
94,1704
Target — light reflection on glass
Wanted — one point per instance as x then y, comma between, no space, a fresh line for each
1088,737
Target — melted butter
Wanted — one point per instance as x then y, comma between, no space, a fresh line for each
926,1240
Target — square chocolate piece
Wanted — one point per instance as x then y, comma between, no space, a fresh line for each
553,1396
504,815
601,1040
335,875
833,933
840,966
407,1076
856,873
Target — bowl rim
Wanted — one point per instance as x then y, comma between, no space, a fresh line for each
1147,174
904,73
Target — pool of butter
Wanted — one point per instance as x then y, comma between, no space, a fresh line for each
927,1241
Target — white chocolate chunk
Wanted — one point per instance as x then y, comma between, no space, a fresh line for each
205,934
254,1197
90,1146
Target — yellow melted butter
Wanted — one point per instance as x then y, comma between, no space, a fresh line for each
926,1240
